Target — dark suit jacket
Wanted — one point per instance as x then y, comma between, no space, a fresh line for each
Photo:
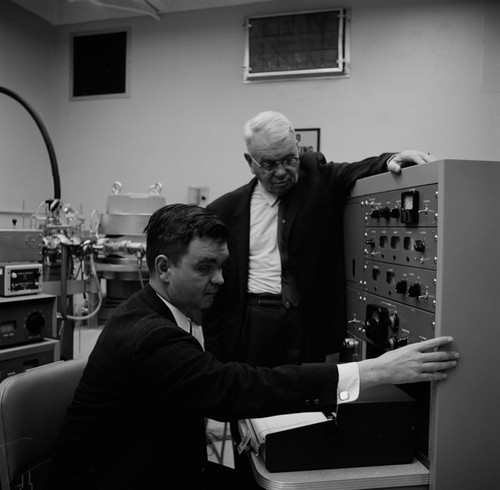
314,239
137,418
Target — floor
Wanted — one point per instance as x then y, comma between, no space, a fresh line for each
219,446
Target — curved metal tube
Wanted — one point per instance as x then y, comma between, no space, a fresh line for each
46,139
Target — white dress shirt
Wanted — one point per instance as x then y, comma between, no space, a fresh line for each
264,263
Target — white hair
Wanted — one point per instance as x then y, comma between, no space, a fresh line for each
274,125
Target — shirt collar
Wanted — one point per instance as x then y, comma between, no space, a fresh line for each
182,320
270,198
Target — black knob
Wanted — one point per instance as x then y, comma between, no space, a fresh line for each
394,342
377,323
350,343
375,213
385,213
394,322
402,342
414,290
419,246
394,213
402,287
35,323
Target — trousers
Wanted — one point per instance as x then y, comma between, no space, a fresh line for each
272,334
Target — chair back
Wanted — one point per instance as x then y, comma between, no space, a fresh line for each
32,409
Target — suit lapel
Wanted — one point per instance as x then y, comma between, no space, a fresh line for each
150,296
241,235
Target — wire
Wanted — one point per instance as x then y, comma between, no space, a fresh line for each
94,223
93,273
213,439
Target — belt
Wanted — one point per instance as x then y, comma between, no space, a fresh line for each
264,299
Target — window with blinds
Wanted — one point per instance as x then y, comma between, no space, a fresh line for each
297,46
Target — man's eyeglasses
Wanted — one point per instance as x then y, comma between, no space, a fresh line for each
272,165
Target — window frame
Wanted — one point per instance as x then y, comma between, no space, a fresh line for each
98,96
341,70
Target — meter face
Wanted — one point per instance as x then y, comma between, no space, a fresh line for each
409,207
408,202
7,328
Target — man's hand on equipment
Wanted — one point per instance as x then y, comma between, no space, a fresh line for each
421,361
406,159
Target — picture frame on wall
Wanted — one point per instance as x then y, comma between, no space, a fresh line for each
308,139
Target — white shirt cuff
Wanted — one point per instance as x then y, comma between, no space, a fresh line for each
348,386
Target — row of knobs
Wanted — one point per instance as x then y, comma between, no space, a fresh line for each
418,246
385,213
413,290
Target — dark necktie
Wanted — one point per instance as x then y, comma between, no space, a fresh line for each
289,290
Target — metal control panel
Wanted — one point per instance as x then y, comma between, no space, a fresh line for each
20,262
18,359
19,279
393,278
27,319
421,261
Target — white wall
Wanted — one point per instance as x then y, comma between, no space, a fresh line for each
27,57
423,75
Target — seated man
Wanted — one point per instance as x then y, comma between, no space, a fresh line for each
137,418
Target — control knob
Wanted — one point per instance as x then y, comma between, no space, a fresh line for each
35,323
350,343
419,246
414,290
394,342
402,286
385,213
394,322
378,322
